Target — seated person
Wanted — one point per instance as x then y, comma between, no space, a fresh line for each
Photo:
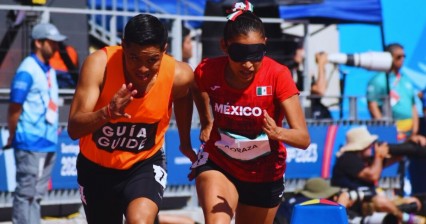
359,165
314,188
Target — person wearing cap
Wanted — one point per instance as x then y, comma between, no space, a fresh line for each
314,188
358,167
33,123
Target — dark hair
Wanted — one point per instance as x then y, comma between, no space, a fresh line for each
185,32
391,47
33,46
242,25
145,29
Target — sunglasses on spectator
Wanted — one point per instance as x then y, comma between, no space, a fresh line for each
398,57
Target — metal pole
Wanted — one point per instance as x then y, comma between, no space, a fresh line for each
176,36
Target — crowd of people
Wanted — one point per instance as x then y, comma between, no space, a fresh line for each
125,97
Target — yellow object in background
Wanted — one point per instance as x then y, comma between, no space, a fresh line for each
404,125
39,2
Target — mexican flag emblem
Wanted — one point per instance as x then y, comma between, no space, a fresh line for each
264,90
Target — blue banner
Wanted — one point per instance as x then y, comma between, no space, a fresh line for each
178,165
64,174
316,161
307,163
3,177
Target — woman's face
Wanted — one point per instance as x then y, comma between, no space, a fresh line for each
243,66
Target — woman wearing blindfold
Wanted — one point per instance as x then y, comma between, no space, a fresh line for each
239,171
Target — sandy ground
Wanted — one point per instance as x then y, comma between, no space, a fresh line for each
79,218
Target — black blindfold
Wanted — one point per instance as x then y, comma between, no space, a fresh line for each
246,52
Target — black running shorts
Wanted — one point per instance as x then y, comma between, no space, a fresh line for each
265,195
106,193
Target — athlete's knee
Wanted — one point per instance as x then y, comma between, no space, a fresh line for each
140,218
141,210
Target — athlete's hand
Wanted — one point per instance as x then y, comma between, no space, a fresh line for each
205,132
188,152
270,127
120,100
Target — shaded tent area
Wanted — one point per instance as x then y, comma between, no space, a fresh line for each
333,11
338,12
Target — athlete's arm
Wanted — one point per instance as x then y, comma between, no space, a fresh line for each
183,106
297,135
82,119
202,102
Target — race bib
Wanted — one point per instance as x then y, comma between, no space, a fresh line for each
52,112
242,148
202,158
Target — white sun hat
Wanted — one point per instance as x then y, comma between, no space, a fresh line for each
358,139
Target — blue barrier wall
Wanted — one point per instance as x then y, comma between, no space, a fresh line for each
178,164
3,183
316,161
307,163
64,174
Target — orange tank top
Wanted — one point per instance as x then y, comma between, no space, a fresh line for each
123,142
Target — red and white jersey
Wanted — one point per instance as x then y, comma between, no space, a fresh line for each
240,111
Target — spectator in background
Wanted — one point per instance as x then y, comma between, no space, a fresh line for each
65,62
314,188
296,66
186,44
401,93
187,51
33,123
402,101
359,166
417,164
318,88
